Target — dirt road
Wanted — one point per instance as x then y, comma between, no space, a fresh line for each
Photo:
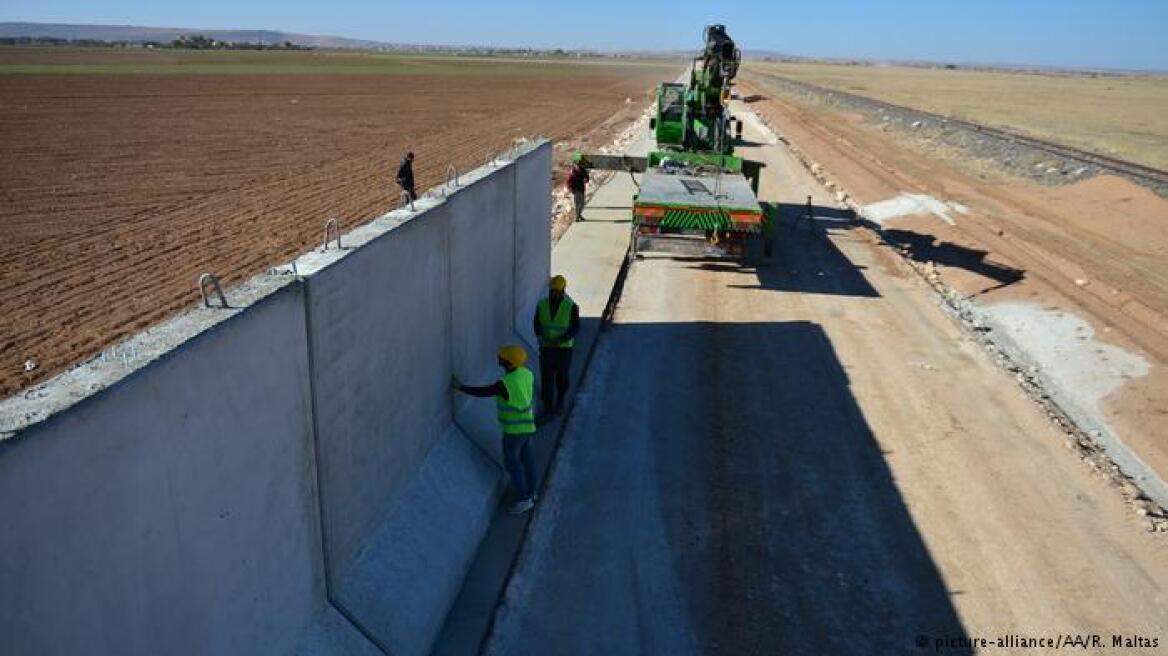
810,457
1076,274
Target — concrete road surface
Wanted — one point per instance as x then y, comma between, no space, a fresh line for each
809,457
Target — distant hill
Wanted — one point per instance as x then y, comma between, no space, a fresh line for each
137,34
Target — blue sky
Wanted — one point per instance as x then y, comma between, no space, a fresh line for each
1074,33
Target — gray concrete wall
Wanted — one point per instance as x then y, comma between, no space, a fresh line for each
174,512
482,271
379,319
533,206
297,478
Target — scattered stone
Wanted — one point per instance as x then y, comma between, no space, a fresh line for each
1082,282
916,124
31,364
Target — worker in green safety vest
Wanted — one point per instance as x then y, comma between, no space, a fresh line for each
514,399
557,320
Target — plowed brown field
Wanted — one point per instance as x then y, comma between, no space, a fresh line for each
117,191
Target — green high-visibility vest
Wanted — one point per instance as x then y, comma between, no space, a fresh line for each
552,327
516,414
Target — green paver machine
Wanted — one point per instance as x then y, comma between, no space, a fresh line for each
693,186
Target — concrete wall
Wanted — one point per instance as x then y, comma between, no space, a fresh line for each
174,512
533,188
293,479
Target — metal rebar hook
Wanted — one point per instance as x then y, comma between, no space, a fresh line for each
336,229
215,285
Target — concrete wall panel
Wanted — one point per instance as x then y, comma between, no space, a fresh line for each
196,506
174,512
533,248
409,574
380,344
482,268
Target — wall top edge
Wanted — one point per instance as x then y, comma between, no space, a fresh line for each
112,365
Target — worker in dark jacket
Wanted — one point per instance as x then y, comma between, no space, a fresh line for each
405,176
557,320
514,397
577,184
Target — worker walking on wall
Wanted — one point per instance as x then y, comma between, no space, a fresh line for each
577,184
557,320
405,176
514,399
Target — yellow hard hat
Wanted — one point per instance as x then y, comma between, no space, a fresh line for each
558,284
513,355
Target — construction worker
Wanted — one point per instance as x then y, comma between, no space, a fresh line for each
577,184
557,320
405,176
514,396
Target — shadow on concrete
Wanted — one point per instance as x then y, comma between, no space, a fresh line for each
731,500
802,261
802,542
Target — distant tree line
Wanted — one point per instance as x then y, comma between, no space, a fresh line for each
186,42
200,42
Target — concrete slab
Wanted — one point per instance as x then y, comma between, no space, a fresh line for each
333,635
481,249
379,344
410,573
533,209
174,512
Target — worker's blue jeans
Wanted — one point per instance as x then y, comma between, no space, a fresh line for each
520,464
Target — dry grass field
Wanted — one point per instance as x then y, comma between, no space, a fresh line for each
1120,116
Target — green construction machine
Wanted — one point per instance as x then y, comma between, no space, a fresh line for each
693,188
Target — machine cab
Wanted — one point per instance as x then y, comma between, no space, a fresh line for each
669,125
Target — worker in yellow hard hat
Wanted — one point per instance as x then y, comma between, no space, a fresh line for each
556,322
514,399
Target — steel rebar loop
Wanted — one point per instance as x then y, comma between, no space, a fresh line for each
336,228
215,285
